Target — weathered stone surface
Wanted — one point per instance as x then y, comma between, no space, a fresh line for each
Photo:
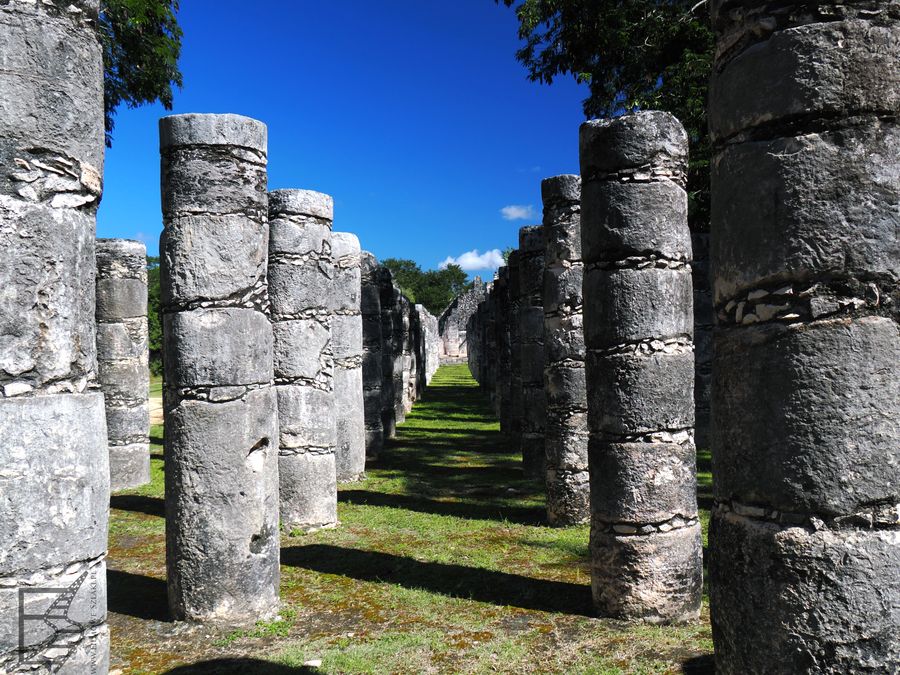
813,444
308,490
219,346
644,482
350,459
795,600
790,227
636,394
221,419
54,470
646,560
644,140
638,304
306,416
657,578
453,321
636,219
123,364
50,265
301,278
373,354
833,68
223,534
531,348
303,349
70,472
805,535
564,386
211,257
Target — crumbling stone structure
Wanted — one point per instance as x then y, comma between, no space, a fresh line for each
805,533
54,467
301,278
453,321
373,354
221,424
531,346
500,291
566,433
398,340
430,343
123,358
348,357
646,559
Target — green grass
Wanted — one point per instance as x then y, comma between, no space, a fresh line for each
441,564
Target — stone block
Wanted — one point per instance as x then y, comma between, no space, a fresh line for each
306,417
629,142
302,349
308,491
224,346
129,466
825,438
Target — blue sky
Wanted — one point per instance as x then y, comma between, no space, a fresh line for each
413,114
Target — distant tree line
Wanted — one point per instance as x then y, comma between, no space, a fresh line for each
433,289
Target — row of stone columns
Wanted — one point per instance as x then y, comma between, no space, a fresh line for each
270,320
805,533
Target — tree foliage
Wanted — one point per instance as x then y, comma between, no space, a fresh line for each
154,315
633,55
141,43
434,289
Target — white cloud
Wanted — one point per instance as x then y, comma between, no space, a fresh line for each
472,261
517,212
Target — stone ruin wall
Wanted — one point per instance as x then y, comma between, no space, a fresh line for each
453,321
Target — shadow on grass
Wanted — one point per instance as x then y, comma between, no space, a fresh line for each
238,667
522,515
457,581
699,665
151,506
137,595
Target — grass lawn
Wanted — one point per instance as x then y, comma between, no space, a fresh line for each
440,564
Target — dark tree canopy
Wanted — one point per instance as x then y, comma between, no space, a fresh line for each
141,44
633,54
434,289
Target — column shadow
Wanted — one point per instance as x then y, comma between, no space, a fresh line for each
457,581
137,595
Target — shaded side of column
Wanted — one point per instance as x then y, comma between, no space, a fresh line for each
502,308
123,358
387,299
373,355
646,550
515,356
398,340
301,285
531,335
221,420
348,353
54,466
805,530
566,435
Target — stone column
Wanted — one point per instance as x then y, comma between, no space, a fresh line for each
348,354
301,278
646,551
401,322
221,422
387,299
54,466
566,434
704,319
502,326
531,335
514,425
123,358
373,355
805,536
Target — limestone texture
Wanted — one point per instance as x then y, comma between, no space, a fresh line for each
220,406
123,358
804,558
373,354
565,386
646,550
54,461
347,336
301,277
